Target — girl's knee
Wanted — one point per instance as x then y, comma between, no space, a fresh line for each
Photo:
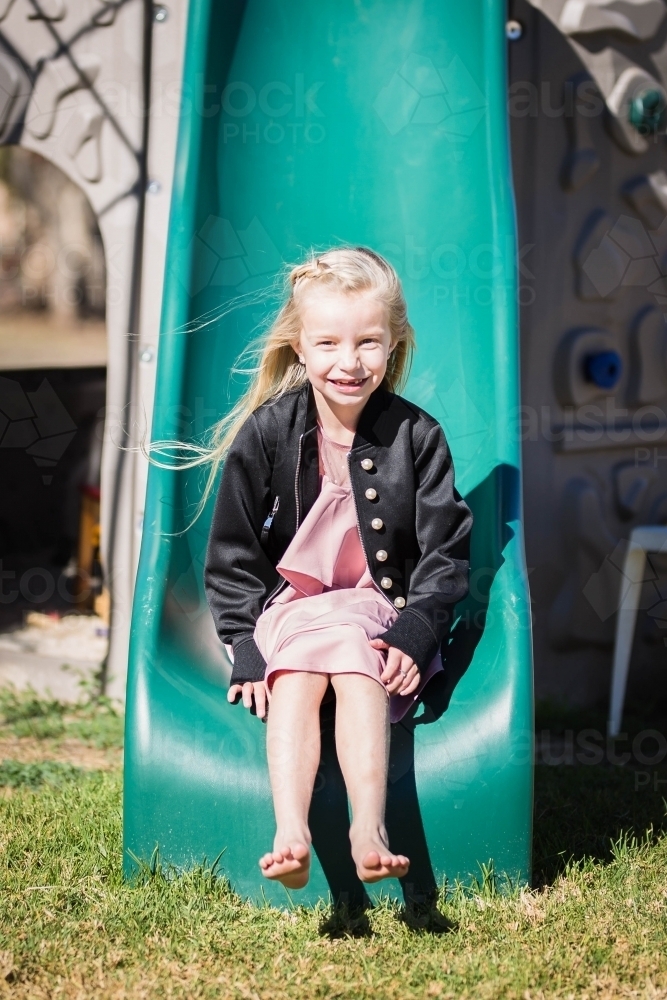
357,686
299,683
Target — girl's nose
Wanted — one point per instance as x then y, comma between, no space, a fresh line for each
349,362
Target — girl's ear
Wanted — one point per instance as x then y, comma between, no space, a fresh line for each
297,350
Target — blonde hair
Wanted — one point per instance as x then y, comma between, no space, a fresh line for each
349,270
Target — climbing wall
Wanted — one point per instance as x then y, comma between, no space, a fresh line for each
588,115
76,79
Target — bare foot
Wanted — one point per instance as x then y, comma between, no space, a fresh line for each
289,865
375,861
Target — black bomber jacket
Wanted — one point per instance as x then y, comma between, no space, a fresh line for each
414,526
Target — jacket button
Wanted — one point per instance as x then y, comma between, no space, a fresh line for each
386,583
367,464
381,555
377,523
371,494
399,602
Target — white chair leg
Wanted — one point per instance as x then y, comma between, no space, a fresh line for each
631,588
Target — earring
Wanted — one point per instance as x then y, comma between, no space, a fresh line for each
302,361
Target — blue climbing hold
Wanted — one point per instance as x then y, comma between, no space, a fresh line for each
603,369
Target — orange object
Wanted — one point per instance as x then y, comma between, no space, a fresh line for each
88,557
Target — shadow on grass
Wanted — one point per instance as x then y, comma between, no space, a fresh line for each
352,921
346,921
596,790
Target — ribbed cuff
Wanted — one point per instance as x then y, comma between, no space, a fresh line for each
413,636
249,664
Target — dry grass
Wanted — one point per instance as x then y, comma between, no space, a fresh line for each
30,750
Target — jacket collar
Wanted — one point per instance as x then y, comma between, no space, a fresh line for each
378,403
309,419
372,431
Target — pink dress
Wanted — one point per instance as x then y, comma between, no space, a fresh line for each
322,622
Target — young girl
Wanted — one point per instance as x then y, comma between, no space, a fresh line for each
338,546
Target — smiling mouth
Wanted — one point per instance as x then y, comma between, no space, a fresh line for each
348,383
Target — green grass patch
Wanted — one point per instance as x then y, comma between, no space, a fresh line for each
93,721
594,925
23,713
70,926
581,811
15,774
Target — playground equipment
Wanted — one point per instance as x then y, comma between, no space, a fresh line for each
305,126
591,196
77,78
643,539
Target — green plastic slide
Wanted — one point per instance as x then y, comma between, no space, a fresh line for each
383,123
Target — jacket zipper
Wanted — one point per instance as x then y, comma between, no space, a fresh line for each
296,482
283,583
266,527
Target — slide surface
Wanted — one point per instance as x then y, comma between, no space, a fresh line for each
381,122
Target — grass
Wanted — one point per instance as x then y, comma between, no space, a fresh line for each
94,721
16,774
594,925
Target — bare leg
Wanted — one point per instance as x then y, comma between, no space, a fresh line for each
362,744
293,751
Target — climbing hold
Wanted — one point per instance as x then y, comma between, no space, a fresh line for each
648,111
603,369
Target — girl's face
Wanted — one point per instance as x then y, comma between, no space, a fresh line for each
345,343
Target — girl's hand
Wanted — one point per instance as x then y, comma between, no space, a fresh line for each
400,675
250,689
